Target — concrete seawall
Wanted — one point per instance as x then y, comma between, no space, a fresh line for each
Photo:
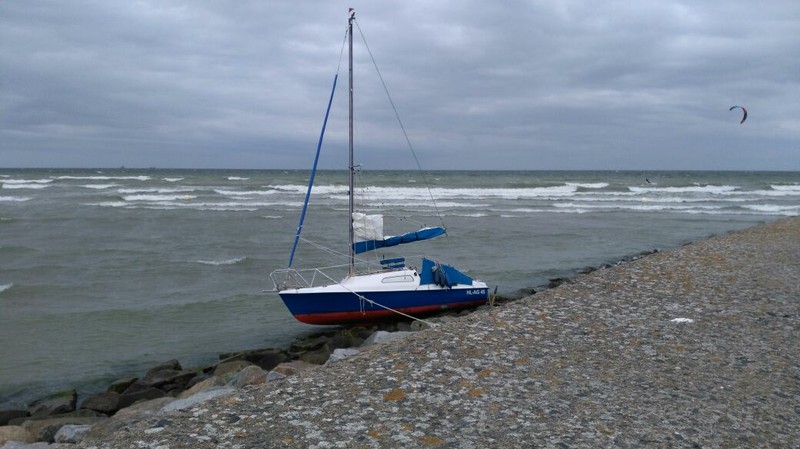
698,346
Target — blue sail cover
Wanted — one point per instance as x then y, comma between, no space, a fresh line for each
408,237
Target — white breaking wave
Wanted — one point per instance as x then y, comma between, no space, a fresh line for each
779,191
106,178
13,198
173,179
774,209
10,186
688,189
5,287
591,185
155,190
245,193
789,188
27,181
221,262
237,178
100,186
158,198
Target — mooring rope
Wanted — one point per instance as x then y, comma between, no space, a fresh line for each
365,299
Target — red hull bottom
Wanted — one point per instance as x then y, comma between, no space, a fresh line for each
333,318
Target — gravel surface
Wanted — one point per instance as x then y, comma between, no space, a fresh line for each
692,347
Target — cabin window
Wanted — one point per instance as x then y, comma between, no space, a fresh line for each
396,279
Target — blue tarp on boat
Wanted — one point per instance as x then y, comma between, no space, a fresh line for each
440,274
408,237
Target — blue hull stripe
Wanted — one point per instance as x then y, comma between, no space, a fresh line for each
340,302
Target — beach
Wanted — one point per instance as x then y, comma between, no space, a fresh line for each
689,347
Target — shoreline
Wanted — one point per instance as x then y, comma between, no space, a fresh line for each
561,291
98,386
83,392
694,346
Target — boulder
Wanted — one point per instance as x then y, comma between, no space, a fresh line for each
106,402
45,429
72,433
341,354
381,337
207,384
121,385
198,398
172,365
308,344
15,433
227,368
166,379
265,358
292,368
8,415
273,376
138,394
200,377
126,417
251,375
345,340
62,402
318,356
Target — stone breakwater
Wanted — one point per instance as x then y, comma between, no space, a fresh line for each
690,347
61,417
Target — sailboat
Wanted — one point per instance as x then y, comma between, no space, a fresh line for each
372,289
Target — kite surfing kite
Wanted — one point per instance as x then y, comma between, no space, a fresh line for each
744,117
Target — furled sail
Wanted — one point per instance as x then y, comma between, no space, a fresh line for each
368,230
367,227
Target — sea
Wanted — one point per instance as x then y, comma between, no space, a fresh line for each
104,273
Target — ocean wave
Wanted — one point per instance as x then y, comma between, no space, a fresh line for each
641,206
474,215
787,187
155,190
779,191
189,205
395,193
236,193
221,262
590,185
774,209
173,179
99,186
27,181
237,178
13,198
4,287
711,189
157,198
11,186
107,178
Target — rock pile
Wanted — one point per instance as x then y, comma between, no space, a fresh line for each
61,421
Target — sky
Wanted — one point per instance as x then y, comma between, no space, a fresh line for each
511,85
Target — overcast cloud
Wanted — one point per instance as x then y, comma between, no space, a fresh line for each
518,84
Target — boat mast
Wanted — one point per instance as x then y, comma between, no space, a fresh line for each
350,145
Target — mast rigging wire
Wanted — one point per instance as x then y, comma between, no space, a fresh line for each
402,127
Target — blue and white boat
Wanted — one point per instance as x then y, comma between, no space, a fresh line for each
372,289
